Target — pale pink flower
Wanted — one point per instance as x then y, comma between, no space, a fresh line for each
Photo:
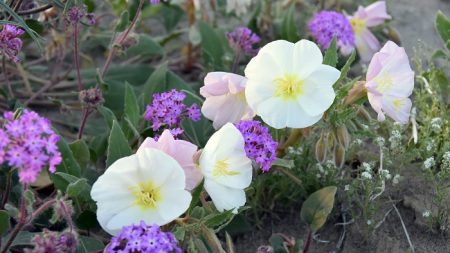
225,99
364,18
389,83
182,151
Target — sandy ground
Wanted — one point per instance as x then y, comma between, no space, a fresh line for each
414,20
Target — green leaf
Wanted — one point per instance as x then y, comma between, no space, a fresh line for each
443,26
62,180
88,245
172,15
277,243
86,220
156,80
331,57
117,145
317,207
22,239
440,54
218,219
213,49
5,224
131,107
81,153
123,21
347,66
108,115
195,197
284,163
69,164
79,188
289,26
145,46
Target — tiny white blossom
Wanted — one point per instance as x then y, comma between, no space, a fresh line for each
346,187
366,175
446,160
366,167
428,163
426,213
358,142
369,222
380,141
430,145
396,179
385,173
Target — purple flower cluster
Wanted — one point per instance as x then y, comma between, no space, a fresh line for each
48,241
244,39
76,14
143,238
329,24
28,143
10,43
168,110
155,1
259,144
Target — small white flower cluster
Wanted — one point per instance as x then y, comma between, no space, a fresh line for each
396,179
325,169
366,167
347,187
366,175
426,214
380,141
429,162
436,124
294,151
357,142
446,160
385,174
430,146
395,139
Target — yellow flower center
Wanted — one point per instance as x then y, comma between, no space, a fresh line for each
384,82
358,25
398,103
241,96
146,194
289,87
222,169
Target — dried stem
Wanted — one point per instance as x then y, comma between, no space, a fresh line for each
76,56
20,224
8,84
35,10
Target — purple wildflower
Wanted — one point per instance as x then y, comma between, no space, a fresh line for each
242,38
143,238
328,24
259,144
49,241
28,144
168,110
10,43
76,14
155,1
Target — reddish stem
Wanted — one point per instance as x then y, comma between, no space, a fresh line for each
308,242
76,56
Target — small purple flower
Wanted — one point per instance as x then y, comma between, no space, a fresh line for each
242,38
143,238
76,14
259,144
329,24
28,143
49,241
10,43
155,1
168,110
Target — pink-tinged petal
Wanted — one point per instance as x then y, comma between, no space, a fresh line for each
182,151
377,103
367,45
397,108
375,67
376,14
229,106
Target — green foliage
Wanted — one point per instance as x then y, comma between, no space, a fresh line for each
289,26
443,27
331,57
4,222
132,110
212,45
117,145
69,164
317,207
80,151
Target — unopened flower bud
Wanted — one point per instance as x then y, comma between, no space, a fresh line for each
68,241
357,92
91,97
362,113
63,210
343,136
265,249
339,155
321,147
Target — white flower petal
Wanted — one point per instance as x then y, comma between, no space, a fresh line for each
225,198
173,203
307,57
133,215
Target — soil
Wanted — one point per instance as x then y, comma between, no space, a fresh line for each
414,20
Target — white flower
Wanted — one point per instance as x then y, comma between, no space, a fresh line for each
366,175
346,187
369,222
226,168
396,179
446,160
238,6
148,186
380,141
288,86
428,163
385,173
426,213
366,167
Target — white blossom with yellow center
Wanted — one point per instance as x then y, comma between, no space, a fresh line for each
148,186
288,86
226,168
